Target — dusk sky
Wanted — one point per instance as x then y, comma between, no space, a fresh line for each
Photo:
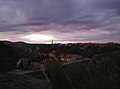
40,21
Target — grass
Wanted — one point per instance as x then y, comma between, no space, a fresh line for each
38,75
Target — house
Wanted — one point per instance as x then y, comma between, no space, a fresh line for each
69,57
52,54
22,62
28,49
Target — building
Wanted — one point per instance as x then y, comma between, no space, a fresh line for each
22,62
69,57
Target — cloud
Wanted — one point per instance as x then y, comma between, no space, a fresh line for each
84,20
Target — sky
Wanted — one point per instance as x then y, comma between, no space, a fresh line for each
64,21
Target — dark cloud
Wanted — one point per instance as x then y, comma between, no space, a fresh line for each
108,4
62,16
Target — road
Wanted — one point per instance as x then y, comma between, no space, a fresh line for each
31,71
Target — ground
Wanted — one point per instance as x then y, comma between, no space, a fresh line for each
6,84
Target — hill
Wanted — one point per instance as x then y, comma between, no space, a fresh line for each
101,72
7,57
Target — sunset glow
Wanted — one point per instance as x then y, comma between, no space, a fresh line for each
38,37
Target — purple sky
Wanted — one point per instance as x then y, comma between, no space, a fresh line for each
40,21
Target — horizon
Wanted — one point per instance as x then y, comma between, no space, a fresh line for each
61,42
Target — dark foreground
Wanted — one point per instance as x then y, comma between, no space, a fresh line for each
6,84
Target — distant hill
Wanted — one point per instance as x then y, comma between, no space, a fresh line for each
15,44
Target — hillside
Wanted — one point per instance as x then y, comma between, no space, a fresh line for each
7,57
102,72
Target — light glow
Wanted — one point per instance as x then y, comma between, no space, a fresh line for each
38,37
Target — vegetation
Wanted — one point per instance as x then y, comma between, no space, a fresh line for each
38,75
7,58
102,72
91,50
57,75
